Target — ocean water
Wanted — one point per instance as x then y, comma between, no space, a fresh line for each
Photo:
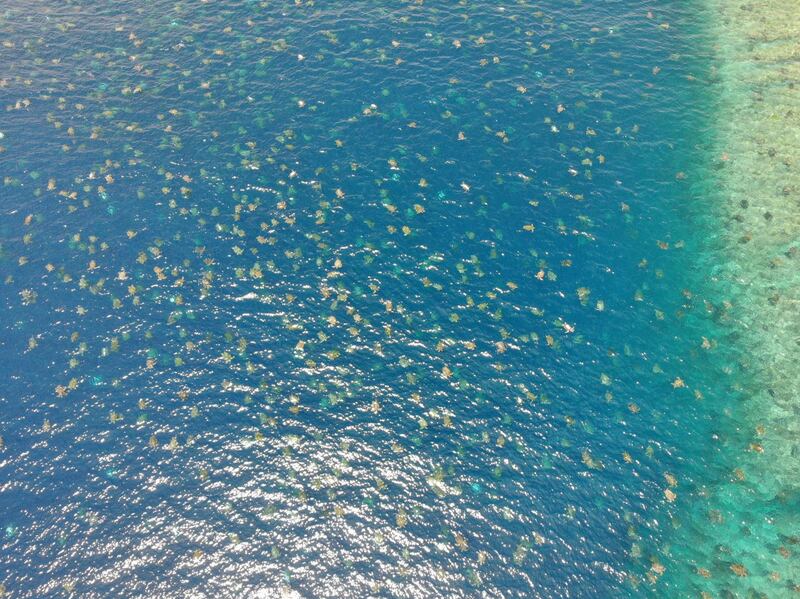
378,299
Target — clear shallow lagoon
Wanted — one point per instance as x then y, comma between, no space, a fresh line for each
375,299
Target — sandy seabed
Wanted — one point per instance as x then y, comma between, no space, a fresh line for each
744,539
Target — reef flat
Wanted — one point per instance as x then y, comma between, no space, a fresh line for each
743,537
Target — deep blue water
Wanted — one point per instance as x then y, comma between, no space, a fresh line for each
390,299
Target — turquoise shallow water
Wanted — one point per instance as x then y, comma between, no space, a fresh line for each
323,299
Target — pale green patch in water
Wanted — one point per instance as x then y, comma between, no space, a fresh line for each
741,537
